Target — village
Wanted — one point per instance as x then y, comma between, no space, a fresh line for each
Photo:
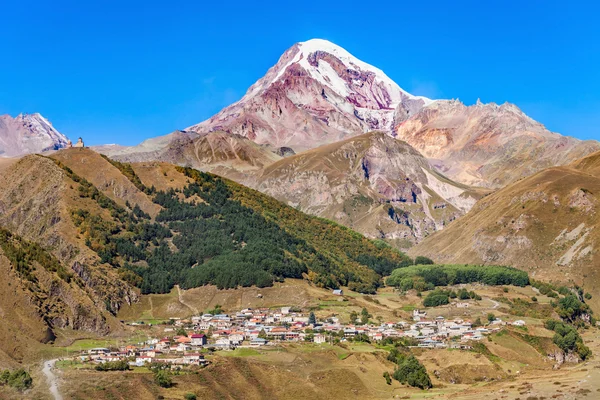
184,342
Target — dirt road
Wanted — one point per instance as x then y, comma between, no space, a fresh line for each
52,379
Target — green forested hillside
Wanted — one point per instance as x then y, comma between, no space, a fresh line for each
214,231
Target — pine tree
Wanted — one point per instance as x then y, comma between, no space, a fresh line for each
312,319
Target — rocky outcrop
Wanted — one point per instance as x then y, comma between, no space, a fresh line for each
28,133
560,357
284,151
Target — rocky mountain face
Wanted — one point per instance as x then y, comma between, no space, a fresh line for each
28,133
317,93
547,224
373,183
487,144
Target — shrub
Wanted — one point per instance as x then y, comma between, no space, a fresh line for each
437,298
545,288
388,378
163,378
568,339
189,396
121,365
421,260
570,308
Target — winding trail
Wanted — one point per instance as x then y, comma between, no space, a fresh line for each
194,309
496,304
151,306
52,379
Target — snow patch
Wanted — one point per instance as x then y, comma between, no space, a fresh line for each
326,76
313,45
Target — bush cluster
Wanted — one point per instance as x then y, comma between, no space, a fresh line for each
18,379
444,275
568,339
120,365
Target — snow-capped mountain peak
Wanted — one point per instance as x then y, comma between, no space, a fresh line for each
321,45
316,93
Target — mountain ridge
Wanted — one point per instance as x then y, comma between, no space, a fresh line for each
318,93
487,144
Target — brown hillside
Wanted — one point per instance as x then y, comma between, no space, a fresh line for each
373,183
106,177
36,200
21,324
547,224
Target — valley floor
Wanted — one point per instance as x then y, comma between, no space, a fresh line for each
512,369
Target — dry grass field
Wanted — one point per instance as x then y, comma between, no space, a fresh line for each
513,367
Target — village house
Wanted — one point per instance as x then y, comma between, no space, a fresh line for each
319,339
193,359
418,315
197,339
98,351
141,360
236,338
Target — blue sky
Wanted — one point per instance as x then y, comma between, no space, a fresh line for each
121,72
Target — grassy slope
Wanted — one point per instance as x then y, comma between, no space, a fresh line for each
520,226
